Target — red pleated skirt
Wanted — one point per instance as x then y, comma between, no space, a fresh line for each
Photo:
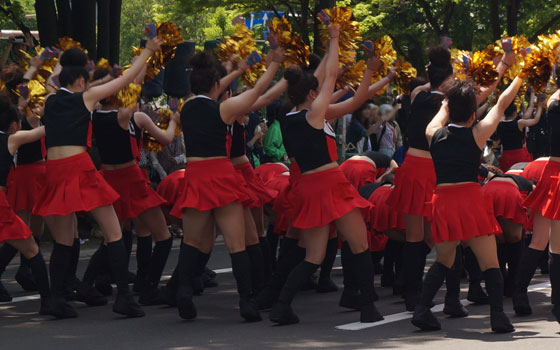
284,201
73,184
461,212
170,187
545,198
11,226
377,241
534,170
322,197
133,187
514,156
507,201
415,182
280,183
25,184
359,172
384,217
209,184
262,194
268,171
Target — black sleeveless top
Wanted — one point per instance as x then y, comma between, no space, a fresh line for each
367,190
525,186
423,110
312,148
554,122
204,131
455,154
6,159
116,145
67,120
382,161
238,140
30,152
510,135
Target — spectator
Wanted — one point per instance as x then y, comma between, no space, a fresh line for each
272,142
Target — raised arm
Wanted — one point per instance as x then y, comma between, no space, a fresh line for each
233,107
320,70
529,111
271,95
507,61
487,126
164,137
426,87
438,121
22,137
391,169
340,93
228,79
523,123
97,93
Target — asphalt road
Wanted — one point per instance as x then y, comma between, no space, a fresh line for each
322,323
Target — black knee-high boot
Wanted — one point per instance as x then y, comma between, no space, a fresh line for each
127,241
555,283
423,317
241,268
392,251
39,270
398,284
414,260
527,266
150,294
124,303
85,292
513,255
495,286
24,277
502,260
453,306
198,280
72,282
350,297
326,284
7,253
267,257
544,264
257,267
363,270
476,294
376,260
60,260
143,258
291,255
281,311
186,269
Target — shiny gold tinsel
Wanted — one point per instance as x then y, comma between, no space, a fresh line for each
537,67
405,73
46,68
162,121
171,37
478,67
387,54
103,63
66,43
36,99
297,52
128,97
349,32
352,75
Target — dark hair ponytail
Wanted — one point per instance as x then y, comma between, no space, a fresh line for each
205,72
299,84
8,113
461,96
440,67
73,62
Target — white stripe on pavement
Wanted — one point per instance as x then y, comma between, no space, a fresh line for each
356,326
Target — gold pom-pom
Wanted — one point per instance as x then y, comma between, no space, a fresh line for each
352,75
384,49
162,119
349,32
170,37
478,67
537,67
36,97
405,72
128,97
297,52
46,68
66,43
103,63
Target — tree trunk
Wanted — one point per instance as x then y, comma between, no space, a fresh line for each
103,28
304,17
512,11
115,30
64,18
495,19
46,22
319,5
84,25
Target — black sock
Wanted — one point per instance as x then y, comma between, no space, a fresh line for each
143,256
348,272
513,256
273,240
7,254
363,270
74,259
495,288
241,266
286,263
96,263
432,283
555,279
502,259
414,260
257,266
187,267
328,262
39,270
297,278
453,277
527,266
267,257
117,255
127,241
158,260
59,265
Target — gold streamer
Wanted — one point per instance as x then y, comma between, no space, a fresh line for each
405,72
349,32
297,52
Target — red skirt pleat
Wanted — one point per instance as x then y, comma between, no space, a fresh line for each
170,187
545,198
210,184
415,182
507,201
377,241
133,187
359,172
322,197
461,212
280,183
514,156
11,226
383,216
73,184
268,171
284,201
25,184
262,194
534,170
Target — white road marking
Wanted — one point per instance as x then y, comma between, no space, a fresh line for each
356,326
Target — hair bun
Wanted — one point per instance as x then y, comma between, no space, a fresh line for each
203,60
439,56
293,74
73,57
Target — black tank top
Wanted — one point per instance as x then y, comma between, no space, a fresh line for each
67,120
30,152
510,135
238,140
525,186
312,148
455,154
6,159
116,145
367,190
423,110
554,123
204,131
381,160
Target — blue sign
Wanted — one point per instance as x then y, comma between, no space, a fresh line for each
260,18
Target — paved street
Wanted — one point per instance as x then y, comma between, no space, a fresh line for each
323,324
